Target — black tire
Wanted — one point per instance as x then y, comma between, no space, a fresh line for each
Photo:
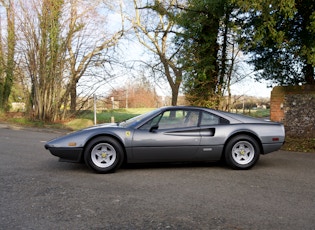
104,154
242,152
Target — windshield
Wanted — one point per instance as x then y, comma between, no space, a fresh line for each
135,119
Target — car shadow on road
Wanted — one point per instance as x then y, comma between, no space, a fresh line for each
178,165
56,165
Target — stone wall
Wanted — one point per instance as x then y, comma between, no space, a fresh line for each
295,107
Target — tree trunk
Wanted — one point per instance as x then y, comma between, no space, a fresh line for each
223,69
73,96
174,96
9,70
309,74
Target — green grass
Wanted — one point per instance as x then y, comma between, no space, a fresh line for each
83,120
260,113
24,121
77,124
118,114
86,118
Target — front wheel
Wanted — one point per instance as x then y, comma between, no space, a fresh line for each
242,152
104,155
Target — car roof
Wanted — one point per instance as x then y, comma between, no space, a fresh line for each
232,117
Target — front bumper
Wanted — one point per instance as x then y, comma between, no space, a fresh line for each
67,154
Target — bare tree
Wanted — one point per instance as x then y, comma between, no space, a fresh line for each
155,31
78,61
59,43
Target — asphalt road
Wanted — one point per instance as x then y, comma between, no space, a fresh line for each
38,192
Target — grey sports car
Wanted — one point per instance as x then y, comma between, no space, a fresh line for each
172,134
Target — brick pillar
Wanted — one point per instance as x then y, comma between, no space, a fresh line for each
276,104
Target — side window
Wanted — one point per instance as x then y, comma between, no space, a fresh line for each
174,119
151,123
192,119
211,119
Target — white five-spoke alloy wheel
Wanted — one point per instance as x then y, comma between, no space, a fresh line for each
104,154
242,152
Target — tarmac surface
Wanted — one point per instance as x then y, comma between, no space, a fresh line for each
38,192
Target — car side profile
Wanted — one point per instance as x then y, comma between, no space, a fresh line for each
172,134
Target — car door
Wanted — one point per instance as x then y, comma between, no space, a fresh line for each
213,134
173,135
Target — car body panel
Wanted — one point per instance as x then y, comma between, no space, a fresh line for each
165,145
146,139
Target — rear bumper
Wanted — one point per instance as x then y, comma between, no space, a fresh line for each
268,148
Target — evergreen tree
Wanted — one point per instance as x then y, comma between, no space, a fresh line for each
279,35
7,63
201,22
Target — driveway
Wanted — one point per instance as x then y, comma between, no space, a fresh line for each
38,192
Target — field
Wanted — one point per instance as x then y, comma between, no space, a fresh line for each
86,118
118,114
82,120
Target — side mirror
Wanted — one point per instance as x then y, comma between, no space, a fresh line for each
154,128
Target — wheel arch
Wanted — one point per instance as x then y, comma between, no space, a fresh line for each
104,135
247,133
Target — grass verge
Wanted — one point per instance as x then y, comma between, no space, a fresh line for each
294,144
118,115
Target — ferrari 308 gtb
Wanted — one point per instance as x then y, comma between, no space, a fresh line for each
172,134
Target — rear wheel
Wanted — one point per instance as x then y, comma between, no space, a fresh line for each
104,154
242,152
